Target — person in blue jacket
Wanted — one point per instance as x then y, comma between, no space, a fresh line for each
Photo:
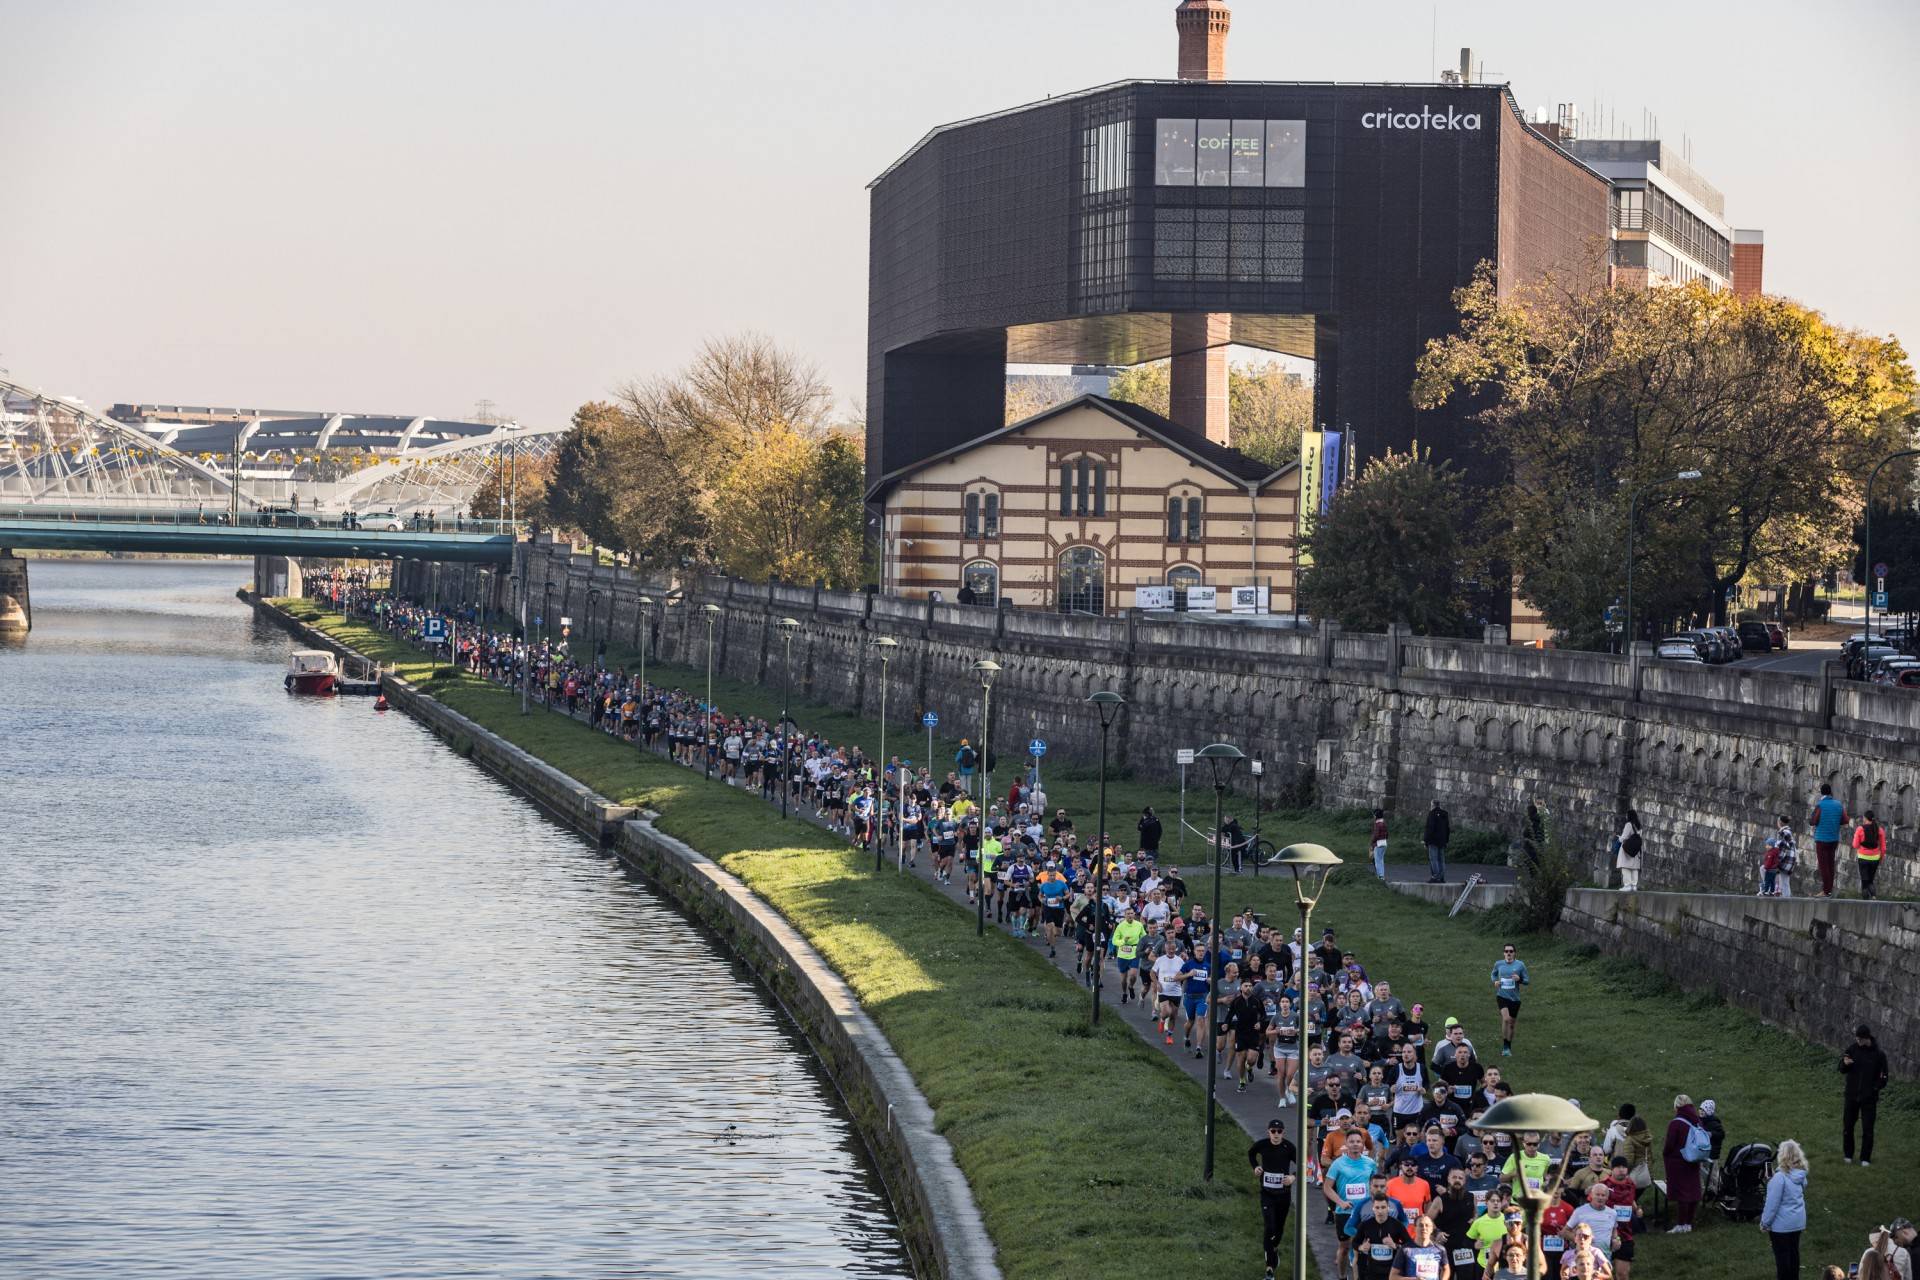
1509,975
1785,1216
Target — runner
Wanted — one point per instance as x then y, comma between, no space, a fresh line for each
1247,1019
1168,972
1053,890
1422,1259
1275,1163
1376,1241
1509,975
1346,1188
1127,937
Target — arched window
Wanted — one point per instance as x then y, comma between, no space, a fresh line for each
980,583
970,516
980,514
1182,576
1083,487
1083,581
1186,518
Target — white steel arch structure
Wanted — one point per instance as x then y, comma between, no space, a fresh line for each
56,450
443,475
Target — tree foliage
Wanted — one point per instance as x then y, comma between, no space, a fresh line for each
1595,395
1395,546
514,483
1028,396
1267,407
731,464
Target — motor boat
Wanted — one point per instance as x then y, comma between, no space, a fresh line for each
313,671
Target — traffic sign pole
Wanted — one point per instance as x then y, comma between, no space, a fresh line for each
930,720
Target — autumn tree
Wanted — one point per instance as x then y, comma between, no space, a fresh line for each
1267,407
780,509
515,483
1395,546
1592,396
1027,396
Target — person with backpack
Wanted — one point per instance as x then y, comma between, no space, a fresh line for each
1686,1146
1869,846
1627,849
966,759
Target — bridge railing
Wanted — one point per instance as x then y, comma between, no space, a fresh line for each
271,518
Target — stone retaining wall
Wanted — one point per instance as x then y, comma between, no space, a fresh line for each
931,1199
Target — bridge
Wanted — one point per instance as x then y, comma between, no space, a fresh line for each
318,537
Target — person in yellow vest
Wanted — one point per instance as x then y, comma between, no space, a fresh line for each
990,850
1869,846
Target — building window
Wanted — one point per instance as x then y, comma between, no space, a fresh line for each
1066,488
1182,576
991,518
980,583
970,516
1083,488
1184,519
1175,508
1193,520
1083,581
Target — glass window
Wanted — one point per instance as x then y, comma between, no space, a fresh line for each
970,517
1215,139
1099,488
1083,581
1182,576
1085,471
980,583
1249,152
1105,156
1066,488
1193,520
1173,163
1174,507
992,521
1286,153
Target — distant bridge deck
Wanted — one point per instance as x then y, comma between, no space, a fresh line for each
297,534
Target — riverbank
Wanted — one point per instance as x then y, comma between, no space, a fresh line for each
1603,1030
1080,1147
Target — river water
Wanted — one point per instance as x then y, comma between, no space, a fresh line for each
289,990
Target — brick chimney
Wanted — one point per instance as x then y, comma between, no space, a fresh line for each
1199,375
1203,39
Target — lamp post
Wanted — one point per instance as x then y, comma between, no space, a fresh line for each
1108,704
526,640
1311,864
1259,768
546,613
642,615
1222,758
787,627
987,669
1540,1113
711,611
1633,503
593,594
886,645
1867,518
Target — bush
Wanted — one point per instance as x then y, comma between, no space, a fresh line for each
1545,879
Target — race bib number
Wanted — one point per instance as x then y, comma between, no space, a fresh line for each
1479,1200
1533,1184
1356,1191
1380,1252
1273,1181
1623,1213
1461,1257
1463,1091
1552,1244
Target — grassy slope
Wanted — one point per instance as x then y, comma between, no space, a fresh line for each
1599,1030
1082,1150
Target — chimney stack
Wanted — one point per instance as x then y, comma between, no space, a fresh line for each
1203,38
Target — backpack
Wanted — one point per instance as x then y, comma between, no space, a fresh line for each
1698,1145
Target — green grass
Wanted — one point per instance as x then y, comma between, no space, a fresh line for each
1082,1149
1602,1030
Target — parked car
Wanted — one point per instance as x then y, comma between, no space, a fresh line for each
382,522
1706,644
1678,649
1887,669
1908,679
1731,637
1754,637
1860,662
1778,634
284,518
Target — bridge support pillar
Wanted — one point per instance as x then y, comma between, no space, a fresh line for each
277,576
16,602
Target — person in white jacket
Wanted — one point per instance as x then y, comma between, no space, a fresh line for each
1627,858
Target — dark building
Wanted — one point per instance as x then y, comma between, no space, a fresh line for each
1137,220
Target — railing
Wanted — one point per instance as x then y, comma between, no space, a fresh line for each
287,518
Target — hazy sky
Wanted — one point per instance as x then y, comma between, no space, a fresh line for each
407,206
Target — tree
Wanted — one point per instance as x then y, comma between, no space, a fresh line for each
514,484
781,509
579,493
1027,396
1393,548
1267,407
1592,396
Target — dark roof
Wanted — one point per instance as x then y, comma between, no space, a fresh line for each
1229,464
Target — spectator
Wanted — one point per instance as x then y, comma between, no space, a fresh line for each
1628,846
1869,846
1828,816
1439,831
1379,839
1877,1262
1901,1255
1149,831
1683,1175
1785,1215
1865,1068
1710,1121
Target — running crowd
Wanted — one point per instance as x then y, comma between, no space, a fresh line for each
1394,1158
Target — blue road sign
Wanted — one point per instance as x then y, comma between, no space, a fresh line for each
433,629
930,720
1880,600
1038,747
538,620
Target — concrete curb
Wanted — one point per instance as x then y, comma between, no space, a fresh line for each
931,1198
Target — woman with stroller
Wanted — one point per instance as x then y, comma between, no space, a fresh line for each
1785,1216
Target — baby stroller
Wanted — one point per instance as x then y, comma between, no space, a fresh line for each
1742,1190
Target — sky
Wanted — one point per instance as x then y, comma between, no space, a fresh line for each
410,206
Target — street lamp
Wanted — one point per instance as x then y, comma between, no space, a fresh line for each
787,627
1259,768
1867,518
1222,758
1108,704
988,669
1633,503
712,611
546,613
642,615
1311,864
1544,1114
593,594
886,645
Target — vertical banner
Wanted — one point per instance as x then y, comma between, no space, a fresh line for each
1312,450
1330,469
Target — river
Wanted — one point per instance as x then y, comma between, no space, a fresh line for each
289,990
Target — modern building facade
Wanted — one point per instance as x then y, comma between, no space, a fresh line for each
1668,223
1079,507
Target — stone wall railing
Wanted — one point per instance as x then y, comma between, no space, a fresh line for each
1706,756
